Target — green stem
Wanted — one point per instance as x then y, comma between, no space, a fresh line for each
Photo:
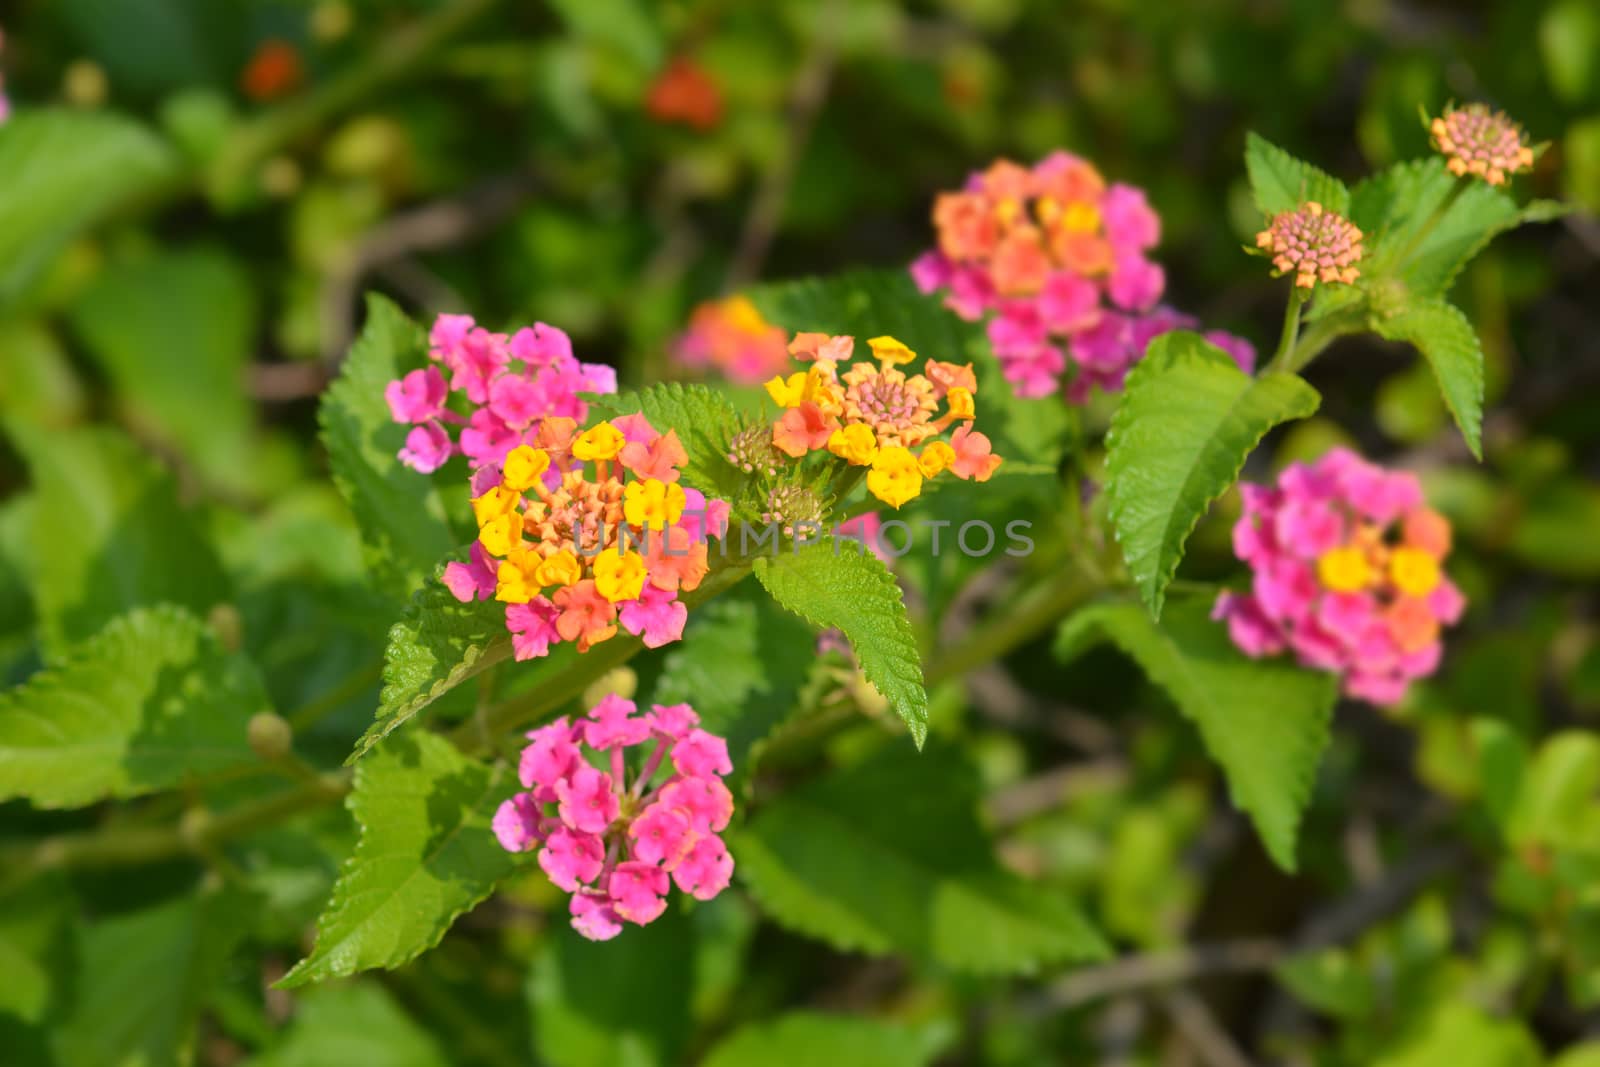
397,57
1291,330
1031,615
1433,221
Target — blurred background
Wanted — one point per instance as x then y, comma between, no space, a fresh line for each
236,174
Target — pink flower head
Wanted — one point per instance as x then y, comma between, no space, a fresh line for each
418,397
587,800
427,448
701,755
1346,564
732,336
704,518
614,842
613,724
474,579
657,616
571,859
542,346
532,626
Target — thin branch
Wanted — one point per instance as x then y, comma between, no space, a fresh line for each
1200,1029
1151,970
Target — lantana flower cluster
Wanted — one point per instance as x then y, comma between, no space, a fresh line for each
586,532
875,415
1314,244
617,842
733,336
1059,260
1348,575
1475,140
508,384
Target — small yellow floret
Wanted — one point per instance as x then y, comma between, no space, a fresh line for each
523,467
961,404
896,477
619,576
601,441
562,568
653,503
1344,570
500,536
888,350
936,457
855,444
495,502
1413,571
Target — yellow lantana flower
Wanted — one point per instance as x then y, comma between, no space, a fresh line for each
652,503
601,441
494,503
888,350
896,477
936,457
522,468
501,535
855,444
619,575
562,568
1413,571
1344,570
961,404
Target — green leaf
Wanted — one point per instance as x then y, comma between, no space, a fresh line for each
1457,1033
400,514
1556,805
438,644
622,1002
865,304
150,703
141,979
887,857
855,592
426,855
741,663
64,171
352,1024
33,947
174,333
1265,722
1280,182
1445,337
107,535
814,1039
1187,420
705,422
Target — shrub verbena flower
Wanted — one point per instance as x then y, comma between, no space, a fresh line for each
586,533
1314,244
1059,261
1477,141
732,336
875,415
506,386
1347,565
618,840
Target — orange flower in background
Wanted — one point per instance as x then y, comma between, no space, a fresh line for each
685,93
274,71
731,335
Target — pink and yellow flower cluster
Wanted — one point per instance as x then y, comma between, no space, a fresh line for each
1059,260
732,336
1314,244
875,415
616,843
508,384
1348,575
588,531
1475,140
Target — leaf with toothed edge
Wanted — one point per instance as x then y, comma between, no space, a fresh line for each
704,421
1265,722
1445,337
426,854
438,644
1280,182
1187,420
853,591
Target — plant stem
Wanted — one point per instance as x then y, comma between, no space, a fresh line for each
1033,613
1291,330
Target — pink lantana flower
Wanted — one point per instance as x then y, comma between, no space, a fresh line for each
1347,562
617,841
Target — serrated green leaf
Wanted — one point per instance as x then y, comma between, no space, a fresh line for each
887,856
704,420
63,171
141,979
426,855
741,664
107,535
1187,420
1546,210
1445,337
173,333
813,1039
438,644
1280,182
400,514
352,1024
854,592
149,703
622,1002
1265,722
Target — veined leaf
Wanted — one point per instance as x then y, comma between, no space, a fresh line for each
400,514
813,1039
888,856
355,1023
149,703
705,422
1280,182
1445,337
855,592
63,171
1265,722
1187,420
426,855
107,535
